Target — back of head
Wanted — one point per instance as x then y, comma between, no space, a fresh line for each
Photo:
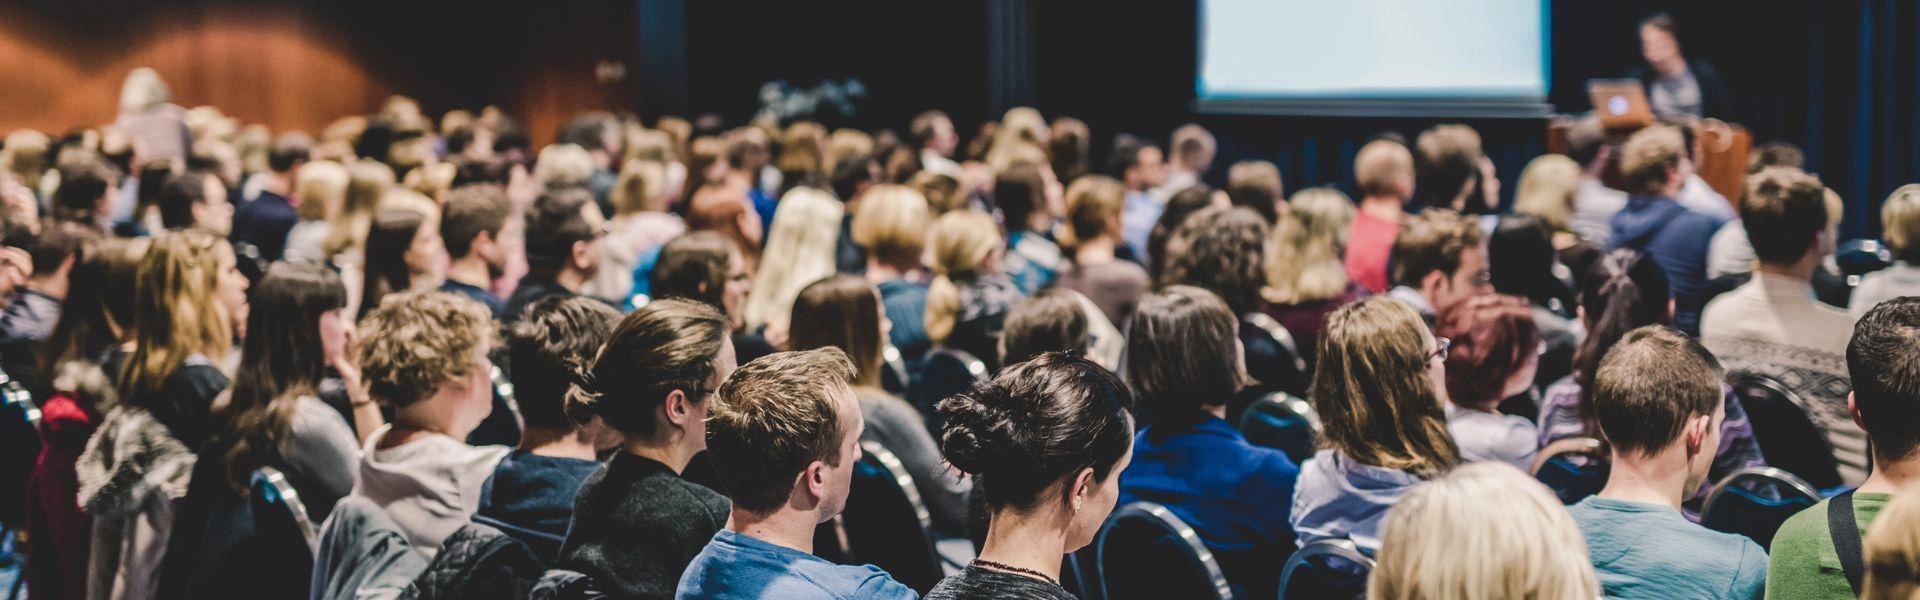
1521,261
563,165
1051,321
551,347
177,199
1035,426
843,312
1384,168
416,342
1070,148
1182,206
1649,385
283,357
1125,155
1255,184
1776,154
942,192
1784,212
775,416
1649,158
1623,290
1182,355
469,212
800,250
664,346
555,222
1193,147
175,314
1585,139
321,187
82,185
693,266
1224,251
1304,259
1893,550
1484,530
1020,190
289,150
891,223
1093,203
960,243
98,308
1883,360
639,188
1371,387
388,241
1900,222
722,208
57,243
1494,338
1429,242
1445,160
1546,189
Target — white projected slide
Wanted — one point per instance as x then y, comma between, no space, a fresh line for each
1372,49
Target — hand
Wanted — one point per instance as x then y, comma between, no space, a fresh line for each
16,266
343,363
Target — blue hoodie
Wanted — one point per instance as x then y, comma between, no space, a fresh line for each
1677,239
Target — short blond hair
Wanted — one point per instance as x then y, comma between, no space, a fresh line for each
321,187
416,342
1486,530
892,223
1382,167
1900,222
1647,159
1303,259
562,165
1546,190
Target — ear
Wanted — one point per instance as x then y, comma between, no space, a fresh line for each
815,479
1081,488
480,240
1853,409
1697,433
675,410
582,254
1433,280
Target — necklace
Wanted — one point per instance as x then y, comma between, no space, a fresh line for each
981,562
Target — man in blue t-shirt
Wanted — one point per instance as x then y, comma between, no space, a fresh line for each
1659,400
784,437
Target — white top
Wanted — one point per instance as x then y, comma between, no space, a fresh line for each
1594,205
1730,252
1699,197
1485,436
1901,279
430,486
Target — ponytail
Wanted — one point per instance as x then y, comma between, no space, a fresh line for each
943,308
1624,290
960,242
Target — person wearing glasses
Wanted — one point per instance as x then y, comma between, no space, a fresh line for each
563,231
1492,351
1439,261
1380,389
637,523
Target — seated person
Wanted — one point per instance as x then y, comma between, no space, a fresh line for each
1900,222
1886,403
1655,223
1893,552
1657,398
784,437
1494,350
1378,389
1047,440
637,523
1439,260
531,494
424,356
1060,320
1185,367
1487,528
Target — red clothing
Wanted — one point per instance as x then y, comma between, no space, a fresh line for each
1369,244
1308,320
57,532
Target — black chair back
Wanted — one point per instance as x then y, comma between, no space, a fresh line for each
894,376
504,425
1283,422
1856,258
947,371
1146,552
1787,436
886,523
282,529
1572,480
1273,357
1754,502
1326,569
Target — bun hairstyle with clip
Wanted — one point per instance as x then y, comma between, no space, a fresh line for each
1037,424
664,346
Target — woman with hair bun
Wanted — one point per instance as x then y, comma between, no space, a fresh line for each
1045,442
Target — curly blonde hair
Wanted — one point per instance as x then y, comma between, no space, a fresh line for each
416,342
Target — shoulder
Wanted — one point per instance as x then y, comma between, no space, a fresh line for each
875,583
1803,533
693,498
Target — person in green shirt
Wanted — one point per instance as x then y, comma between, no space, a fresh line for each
1883,360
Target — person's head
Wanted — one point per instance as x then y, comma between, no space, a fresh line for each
964,245
1224,251
891,224
725,209
552,348
1650,161
471,225
1587,146
785,434
1495,350
1484,530
143,90
1384,169
1193,147
1069,147
424,355
56,250
1448,173
289,152
563,228
1893,549
1137,163
800,249
1184,359
1785,214
1304,257
1883,359
404,252
294,328
1054,320
368,181
1048,438
1660,41
1183,205
1021,193
640,188
1623,290
941,190
704,267
1546,190
1522,261
563,166
1380,385
98,310
1442,255
1658,396
654,377
82,194
197,200
843,312
1094,204
1255,184
321,188
186,293
1900,222
932,130
1776,154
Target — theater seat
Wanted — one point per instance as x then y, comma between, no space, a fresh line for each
282,530
886,523
1787,436
1754,502
1273,357
1856,258
1326,569
1569,479
947,371
1146,552
1283,422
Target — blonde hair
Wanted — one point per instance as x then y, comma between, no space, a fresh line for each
1648,157
1900,222
1486,530
143,90
26,156
1381,166
1020,127
1546,190
562,165
892,224
1893,549
961,242
649,145
321,188
1303,260
432,181
367,183
1094,202
847,144
640,188
800,250
175,313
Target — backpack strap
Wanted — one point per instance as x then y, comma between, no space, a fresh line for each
1845,530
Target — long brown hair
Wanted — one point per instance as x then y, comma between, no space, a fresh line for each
175,315
842,311
281,360
1373,394
98,311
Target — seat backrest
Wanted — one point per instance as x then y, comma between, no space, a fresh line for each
16,395
1326,569
886,523
1755,501
1283,422
947,371
1787,436
1560,467
363,554
285,540
894,377
1860,257
1273,357
1145,551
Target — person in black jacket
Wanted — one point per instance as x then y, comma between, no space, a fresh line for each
1679,89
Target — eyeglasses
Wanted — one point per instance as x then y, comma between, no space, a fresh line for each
1442,344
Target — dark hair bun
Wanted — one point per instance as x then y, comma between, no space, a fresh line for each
1037,422
979,431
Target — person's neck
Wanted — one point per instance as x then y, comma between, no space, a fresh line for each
1026,541
556,442
570,279
1890,476
415,425
471,270
1096,251
669,452
782,527
53,285
1491,406
879,271
1660,479
280,184
1672,66
1382,207
1798,271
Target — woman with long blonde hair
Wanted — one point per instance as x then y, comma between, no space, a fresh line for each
1486,530
1546,190
1306,276
968,301
800,250
1380,390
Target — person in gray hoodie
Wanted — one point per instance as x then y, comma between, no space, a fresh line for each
1654,223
